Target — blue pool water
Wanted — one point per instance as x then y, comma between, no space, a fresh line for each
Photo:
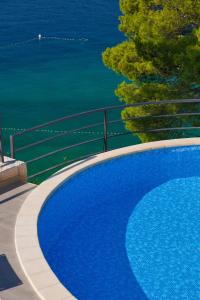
162,240
127,228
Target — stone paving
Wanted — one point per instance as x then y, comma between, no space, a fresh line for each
13,283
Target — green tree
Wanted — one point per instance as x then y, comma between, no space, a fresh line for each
160,59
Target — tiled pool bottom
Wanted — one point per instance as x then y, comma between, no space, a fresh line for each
162,240
86,229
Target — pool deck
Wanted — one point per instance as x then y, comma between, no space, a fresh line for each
13,282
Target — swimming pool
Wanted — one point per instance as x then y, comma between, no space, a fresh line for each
127,228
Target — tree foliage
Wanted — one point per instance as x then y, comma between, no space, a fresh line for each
160,59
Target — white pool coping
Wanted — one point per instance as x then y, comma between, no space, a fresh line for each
43,280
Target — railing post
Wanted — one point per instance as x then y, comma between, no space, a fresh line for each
1,146
12,148
105,130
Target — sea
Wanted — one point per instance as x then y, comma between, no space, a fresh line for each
51,60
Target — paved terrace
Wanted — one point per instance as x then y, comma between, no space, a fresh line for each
13,283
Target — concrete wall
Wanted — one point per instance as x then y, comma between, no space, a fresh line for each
12,171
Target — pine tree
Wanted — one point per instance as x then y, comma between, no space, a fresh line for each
160,59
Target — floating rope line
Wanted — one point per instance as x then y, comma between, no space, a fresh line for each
16,44
59,131
40,37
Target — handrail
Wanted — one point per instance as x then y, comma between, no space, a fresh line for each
107,109
105,122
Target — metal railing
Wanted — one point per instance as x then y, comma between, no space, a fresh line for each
106,136
1,146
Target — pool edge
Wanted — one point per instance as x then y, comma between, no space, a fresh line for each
29,253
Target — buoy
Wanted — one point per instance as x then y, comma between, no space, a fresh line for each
39,37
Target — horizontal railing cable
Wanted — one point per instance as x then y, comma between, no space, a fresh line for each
1,147
62,164
64,133
154,130
155,117
63,149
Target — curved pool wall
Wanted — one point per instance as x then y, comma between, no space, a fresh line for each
83,226
87,218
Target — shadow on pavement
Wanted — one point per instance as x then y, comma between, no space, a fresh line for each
8,277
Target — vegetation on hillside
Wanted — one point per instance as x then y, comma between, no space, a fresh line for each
160,59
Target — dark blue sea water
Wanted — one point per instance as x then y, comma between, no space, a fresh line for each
127,229
61,74
43,80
